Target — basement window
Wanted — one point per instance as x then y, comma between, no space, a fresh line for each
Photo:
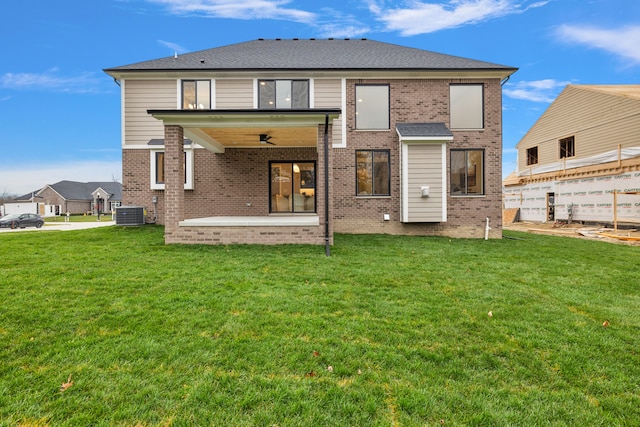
532,156
567,147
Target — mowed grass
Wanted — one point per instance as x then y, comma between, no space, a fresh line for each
388,331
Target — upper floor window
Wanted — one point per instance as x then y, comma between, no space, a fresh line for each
532,156
373,173
467,172
276,94
196,94
567,147
372,107
466,106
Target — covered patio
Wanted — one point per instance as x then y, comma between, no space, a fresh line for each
290,147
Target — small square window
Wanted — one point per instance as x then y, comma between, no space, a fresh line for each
567,147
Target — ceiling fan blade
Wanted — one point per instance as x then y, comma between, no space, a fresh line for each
265,139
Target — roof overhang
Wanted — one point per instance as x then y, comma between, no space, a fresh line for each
488,73
217,130
423,132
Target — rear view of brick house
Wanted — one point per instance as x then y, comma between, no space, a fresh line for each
289,141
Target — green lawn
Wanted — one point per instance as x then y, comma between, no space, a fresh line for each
388,331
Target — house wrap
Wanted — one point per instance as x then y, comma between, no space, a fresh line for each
584,148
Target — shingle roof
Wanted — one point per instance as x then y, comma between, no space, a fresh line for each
72,190
407,130
312,54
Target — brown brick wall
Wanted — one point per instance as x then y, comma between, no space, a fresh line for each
243,235
419,101
236,182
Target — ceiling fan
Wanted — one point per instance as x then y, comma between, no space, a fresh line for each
264,139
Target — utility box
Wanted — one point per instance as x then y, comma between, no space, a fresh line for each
130,215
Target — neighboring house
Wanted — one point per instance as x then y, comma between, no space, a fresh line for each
584,148
289,141
75,198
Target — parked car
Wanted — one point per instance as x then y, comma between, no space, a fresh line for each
21,220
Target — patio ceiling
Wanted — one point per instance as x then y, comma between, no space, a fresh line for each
217,130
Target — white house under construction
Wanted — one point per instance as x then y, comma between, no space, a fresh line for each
581,160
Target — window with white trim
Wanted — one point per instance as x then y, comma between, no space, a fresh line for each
196,94
157,172
283,94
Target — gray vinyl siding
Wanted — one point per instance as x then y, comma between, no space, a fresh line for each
234,93
424,168
598,121
143,95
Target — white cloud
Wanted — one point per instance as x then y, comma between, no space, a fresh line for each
623,42
22,179
50,80
423,17
246,9
174,47
535,91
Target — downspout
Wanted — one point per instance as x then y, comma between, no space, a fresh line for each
326,186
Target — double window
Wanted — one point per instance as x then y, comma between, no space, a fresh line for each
283,94
372,107
567,147
292,187
373,173
466,106
467,172
196,94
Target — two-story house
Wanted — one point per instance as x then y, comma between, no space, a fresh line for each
580,161
289,141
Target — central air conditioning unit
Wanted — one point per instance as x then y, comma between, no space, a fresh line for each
130,215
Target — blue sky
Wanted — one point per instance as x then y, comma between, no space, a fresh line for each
60,114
